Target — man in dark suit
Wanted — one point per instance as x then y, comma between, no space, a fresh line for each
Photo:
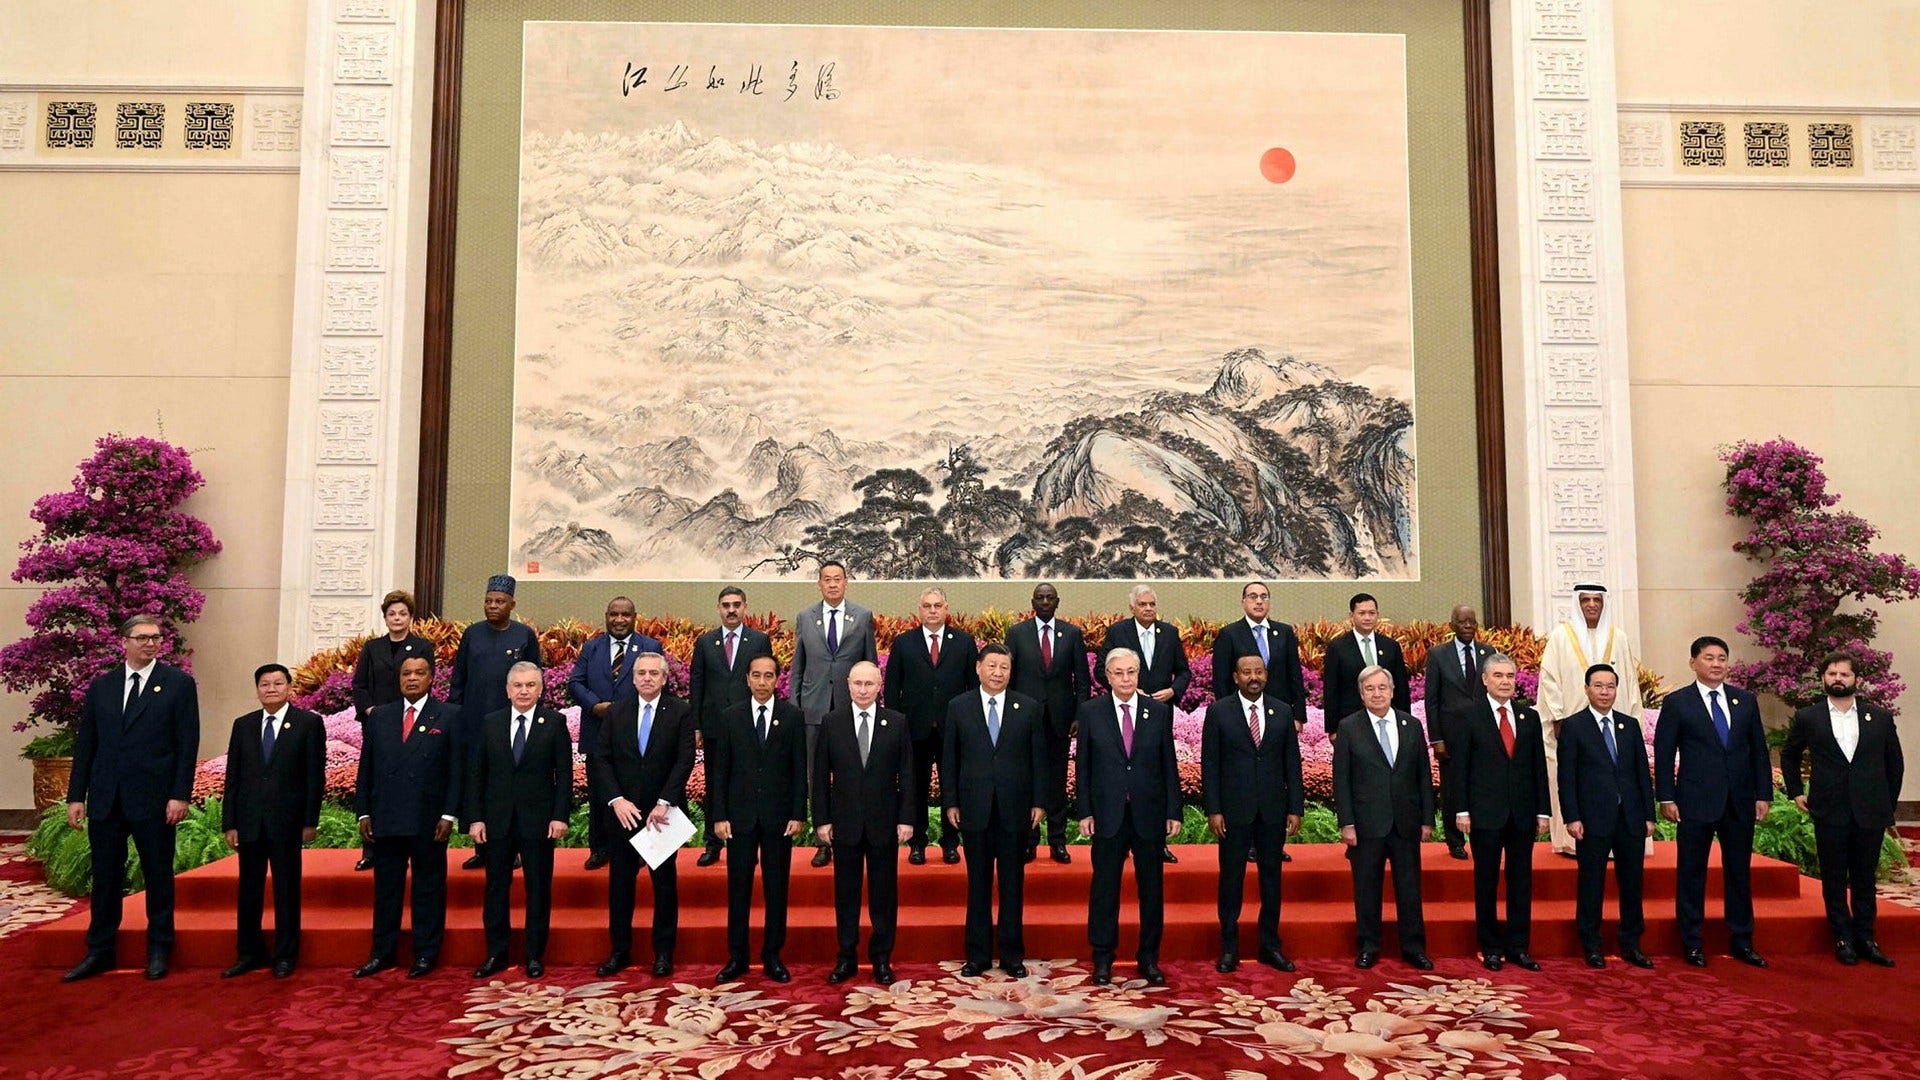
1383,794
864,804
407,796
1358,648
640,768
828,639
1606,792
717,681
602,674
926,669
1128,795
519,796
376,672
1251,787
269,806
1164,674
993,758
133,759
478,685
1723,785
1050,666
1273,642
1857,770
1454,690
1500,796
757,794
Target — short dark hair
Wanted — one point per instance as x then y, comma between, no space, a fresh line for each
734,590
398,596
427,656
1705,641
629,601
994,648
1357,599
1839,656
1597,669
1251,584
765,656
264,670
824,563
135,622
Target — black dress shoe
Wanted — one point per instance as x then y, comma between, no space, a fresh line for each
1418,960
535,968
1526,961
157,964
474,862
1366,960
971,970
1596,961
493,965
1491,961
822,855
1697,957
1843,952
1253,855
1150,971
1636,958
1870,952
1276,960
247,963
596,860
1033,852
282,969
733,970
373,967
662,966
950,855
1457,853
1103,974
90,965
1286,856
1228,962
709,856
917,856
365,863
1061,854
841,972
613,965
516,861
422,967
1015,970
1746,955
773,969
883,974
1167,855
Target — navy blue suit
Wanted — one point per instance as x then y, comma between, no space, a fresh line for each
128,762
406,786
1130,798
1284,679
1715,788
594,681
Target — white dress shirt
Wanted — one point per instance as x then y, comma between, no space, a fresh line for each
1846,727
1392,745
126,681
279,720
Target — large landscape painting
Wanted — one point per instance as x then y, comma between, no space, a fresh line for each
962,304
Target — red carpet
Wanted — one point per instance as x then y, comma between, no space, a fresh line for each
1316,920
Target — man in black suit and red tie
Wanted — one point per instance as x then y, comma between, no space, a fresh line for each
407,796
519,797
1350,653
1049,658
641,768
1500,795
133,759
1606,792
1162,662
926,669
1722,785
1128,792
1857,770
1273,642
1383,794
864,804
1250,779
757,792
717,681
992,770
269,806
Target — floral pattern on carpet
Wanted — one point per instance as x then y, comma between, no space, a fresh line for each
26,902
1433,1026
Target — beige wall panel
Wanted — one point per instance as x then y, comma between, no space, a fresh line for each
204,42
1767,51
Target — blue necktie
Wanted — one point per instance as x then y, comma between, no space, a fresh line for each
833,630
646,726
1719,717
266,741
993,722
520,740
1260,639
1606,730
1386,741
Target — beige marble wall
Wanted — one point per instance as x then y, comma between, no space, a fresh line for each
1757,313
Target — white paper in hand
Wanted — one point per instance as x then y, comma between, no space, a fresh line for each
657,845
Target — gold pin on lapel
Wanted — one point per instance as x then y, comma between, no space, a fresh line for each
1736,701
776,723
421,730
1619,726
156,688
539,719
883,723
1016,705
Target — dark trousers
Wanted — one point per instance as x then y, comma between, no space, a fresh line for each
1450,828
1054,798
1849,855
925,752
391,858
624,872
1625,843
1267,839
758,844
536,863
1112,843
281,855
879,863
153,842
1369,860
1513,843
598,825
1695,841
999,848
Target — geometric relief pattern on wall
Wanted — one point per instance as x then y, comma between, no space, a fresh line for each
1559,18
13,125
353,305
70,124
366,10
1703,144
350,369
362,117
1560,71
356,241
1896,147
274,128
1577,561
1573,438
1643,144
1573,376
138,124
209,125
1830,146
363,55
1571,316
357,178
337,622
1563,132
343,499
1577,503
348,434
342,565
1566,193
1767,144
1567,253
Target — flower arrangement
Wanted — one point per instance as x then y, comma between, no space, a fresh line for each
1817,559
112,546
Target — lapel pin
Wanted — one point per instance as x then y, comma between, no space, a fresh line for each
156,688
883,723
1619,726
1736,701
421,730
1016,705
407,649
539,719
776,723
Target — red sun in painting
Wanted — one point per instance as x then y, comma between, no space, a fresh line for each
1277,165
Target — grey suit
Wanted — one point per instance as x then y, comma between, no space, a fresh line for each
817,680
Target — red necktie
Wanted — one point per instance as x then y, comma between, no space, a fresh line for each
1506,730
1046,646
407,730
933,649
1253,723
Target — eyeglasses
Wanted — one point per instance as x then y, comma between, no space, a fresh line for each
144,639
